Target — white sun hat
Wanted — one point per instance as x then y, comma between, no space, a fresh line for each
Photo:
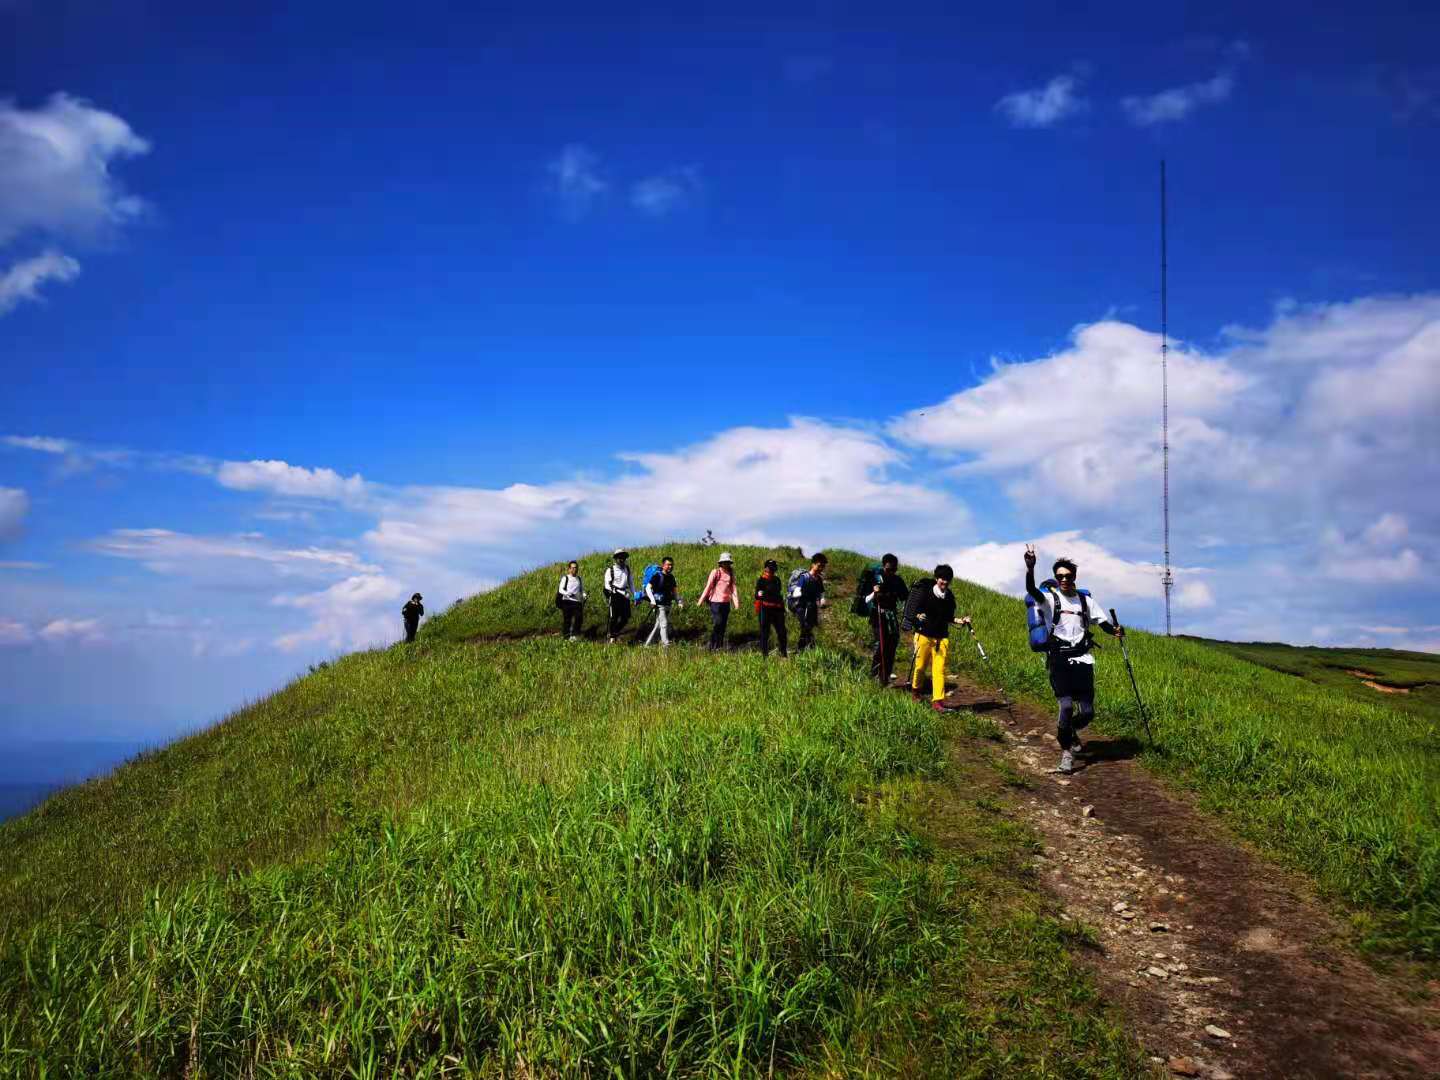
724,557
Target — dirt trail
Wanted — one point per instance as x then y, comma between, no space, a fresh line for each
1195,930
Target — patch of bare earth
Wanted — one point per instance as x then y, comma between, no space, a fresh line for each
1225,964
1369,677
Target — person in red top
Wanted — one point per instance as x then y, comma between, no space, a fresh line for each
770,607
723,595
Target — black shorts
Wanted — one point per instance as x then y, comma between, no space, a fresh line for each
1075,681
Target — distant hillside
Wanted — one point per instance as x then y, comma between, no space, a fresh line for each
1405,680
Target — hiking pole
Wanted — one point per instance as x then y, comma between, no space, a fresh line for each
1125,652
983,656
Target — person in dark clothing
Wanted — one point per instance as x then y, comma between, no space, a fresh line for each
570,599
770,608
411,613
617,587
1069,611
885,601
809,597
932,636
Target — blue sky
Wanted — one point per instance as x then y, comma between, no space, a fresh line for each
304,307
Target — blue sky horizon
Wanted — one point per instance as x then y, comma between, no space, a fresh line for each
307,309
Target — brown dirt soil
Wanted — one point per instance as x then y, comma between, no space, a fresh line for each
1195,929
1369,677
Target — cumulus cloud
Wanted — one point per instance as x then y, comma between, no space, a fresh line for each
282,478
23,280
354,613
667,192
1176,103
575,180
14,505
1000,566
1043,106
55,169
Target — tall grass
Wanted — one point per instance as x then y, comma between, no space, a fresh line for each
656,865
1347,790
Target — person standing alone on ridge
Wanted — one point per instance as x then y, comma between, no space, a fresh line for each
570,599
411,613
1068,611
770,608
617,592
932,636
807,597
723,594
663,591
884,602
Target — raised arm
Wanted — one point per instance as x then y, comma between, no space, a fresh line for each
1030,586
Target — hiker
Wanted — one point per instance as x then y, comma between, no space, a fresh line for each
807,597
1068,611
411,613
770,608
722,593
933,619
616,587
663,591
570,599
883,604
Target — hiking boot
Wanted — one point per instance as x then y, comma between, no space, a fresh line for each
1067,763
939,706
1077,747
573,637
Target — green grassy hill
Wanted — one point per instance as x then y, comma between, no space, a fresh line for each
488,852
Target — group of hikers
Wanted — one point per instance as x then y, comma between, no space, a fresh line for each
1060,615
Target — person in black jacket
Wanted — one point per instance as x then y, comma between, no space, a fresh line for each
663,591
883,603
770,608
411,613
932,636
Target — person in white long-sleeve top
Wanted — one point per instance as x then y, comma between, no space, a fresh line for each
570,599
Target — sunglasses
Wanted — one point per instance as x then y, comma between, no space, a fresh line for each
1064,577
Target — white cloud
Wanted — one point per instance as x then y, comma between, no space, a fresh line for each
226,560
576,181
82,631
1169,106
354,613
23,280
14,505
14,633
1043,106
55,163
281,478
667,192
43,444
1195,595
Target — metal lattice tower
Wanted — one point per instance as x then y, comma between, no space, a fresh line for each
1168,580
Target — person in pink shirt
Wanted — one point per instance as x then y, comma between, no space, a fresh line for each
722,595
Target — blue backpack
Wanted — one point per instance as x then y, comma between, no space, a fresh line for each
798,580
650,572
1042,632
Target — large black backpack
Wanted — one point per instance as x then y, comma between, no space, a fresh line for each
868,577
914,602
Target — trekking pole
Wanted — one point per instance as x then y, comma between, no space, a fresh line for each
1125,652
985,657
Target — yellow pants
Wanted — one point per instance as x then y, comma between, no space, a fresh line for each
928,650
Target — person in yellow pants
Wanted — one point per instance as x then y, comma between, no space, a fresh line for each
932,636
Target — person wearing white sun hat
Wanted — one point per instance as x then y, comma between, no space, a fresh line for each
723,595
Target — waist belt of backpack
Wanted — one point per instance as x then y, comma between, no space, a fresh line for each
1068,651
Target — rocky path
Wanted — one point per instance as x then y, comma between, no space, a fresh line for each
1225,965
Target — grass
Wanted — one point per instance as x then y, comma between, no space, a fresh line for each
541,858
1417,675
1336,780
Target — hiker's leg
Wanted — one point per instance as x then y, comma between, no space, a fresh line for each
724,624
662,623
1064,724
877,652
922,657
764,632
654,629
937,670
579,618
1082,693
717,623
891,646
782,635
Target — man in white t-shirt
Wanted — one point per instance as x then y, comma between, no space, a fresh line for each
1069,612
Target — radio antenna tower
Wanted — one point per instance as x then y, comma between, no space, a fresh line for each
1168,580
